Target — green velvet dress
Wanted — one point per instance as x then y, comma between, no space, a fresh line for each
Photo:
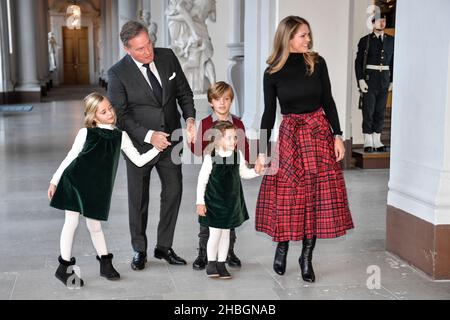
224,197
87,183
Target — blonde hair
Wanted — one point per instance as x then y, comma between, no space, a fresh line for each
91,103
218,89
285,32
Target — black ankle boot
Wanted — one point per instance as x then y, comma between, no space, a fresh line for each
211,269
70,279
201,261
106,268
305,260
279,262
223,272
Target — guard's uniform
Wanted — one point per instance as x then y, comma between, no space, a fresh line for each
378,76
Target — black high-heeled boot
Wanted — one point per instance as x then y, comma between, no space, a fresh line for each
279,262
305,260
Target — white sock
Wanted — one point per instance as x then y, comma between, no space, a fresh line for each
68,233
224,244
213,243
97,236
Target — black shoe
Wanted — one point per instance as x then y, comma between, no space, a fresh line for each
380,149
279,262
106,268
305,260
232,260
139,260
368,149
211,269
70,279
223,272
201,261
170,256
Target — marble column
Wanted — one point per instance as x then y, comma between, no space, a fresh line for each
260,25
42,53
236,55
28,87
6,86
418,213
127,10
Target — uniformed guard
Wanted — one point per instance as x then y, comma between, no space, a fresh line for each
374,72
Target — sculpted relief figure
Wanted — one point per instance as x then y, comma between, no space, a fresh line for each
190,40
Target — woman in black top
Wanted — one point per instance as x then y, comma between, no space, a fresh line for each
303,196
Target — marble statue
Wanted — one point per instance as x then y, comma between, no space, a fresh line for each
190,40
52,48
146,18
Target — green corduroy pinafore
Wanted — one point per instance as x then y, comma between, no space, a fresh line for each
87,183
224,197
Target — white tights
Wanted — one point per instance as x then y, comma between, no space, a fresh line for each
68,233
218,244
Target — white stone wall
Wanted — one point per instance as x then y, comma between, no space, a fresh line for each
420,157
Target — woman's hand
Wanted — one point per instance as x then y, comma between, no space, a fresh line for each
51,191
201,210
339,149
260,162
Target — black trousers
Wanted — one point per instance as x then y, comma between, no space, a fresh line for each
374,106
138,200
204,235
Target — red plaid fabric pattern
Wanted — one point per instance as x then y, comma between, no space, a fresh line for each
303,193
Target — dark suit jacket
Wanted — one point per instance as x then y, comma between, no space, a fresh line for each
136,106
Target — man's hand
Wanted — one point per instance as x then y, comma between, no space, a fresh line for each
159,140
191,131
390,87
201,210
363,86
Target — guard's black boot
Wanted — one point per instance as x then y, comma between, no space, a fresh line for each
279,262
201,261
223,272
305,260
69,278
106,268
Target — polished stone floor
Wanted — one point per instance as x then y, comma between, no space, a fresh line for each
33,144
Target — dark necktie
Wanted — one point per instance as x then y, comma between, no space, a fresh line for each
157,89
380,38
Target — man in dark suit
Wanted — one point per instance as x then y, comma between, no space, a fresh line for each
375,81
144,88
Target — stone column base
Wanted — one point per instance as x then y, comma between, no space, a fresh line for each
422,244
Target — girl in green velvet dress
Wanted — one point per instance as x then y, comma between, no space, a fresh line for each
84,181
220,199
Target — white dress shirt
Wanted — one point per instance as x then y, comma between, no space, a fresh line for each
126,145
148,136
143,70
205,171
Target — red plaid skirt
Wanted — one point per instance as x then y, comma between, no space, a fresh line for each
303,193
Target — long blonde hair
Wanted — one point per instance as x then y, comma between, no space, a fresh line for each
285,32
91,103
